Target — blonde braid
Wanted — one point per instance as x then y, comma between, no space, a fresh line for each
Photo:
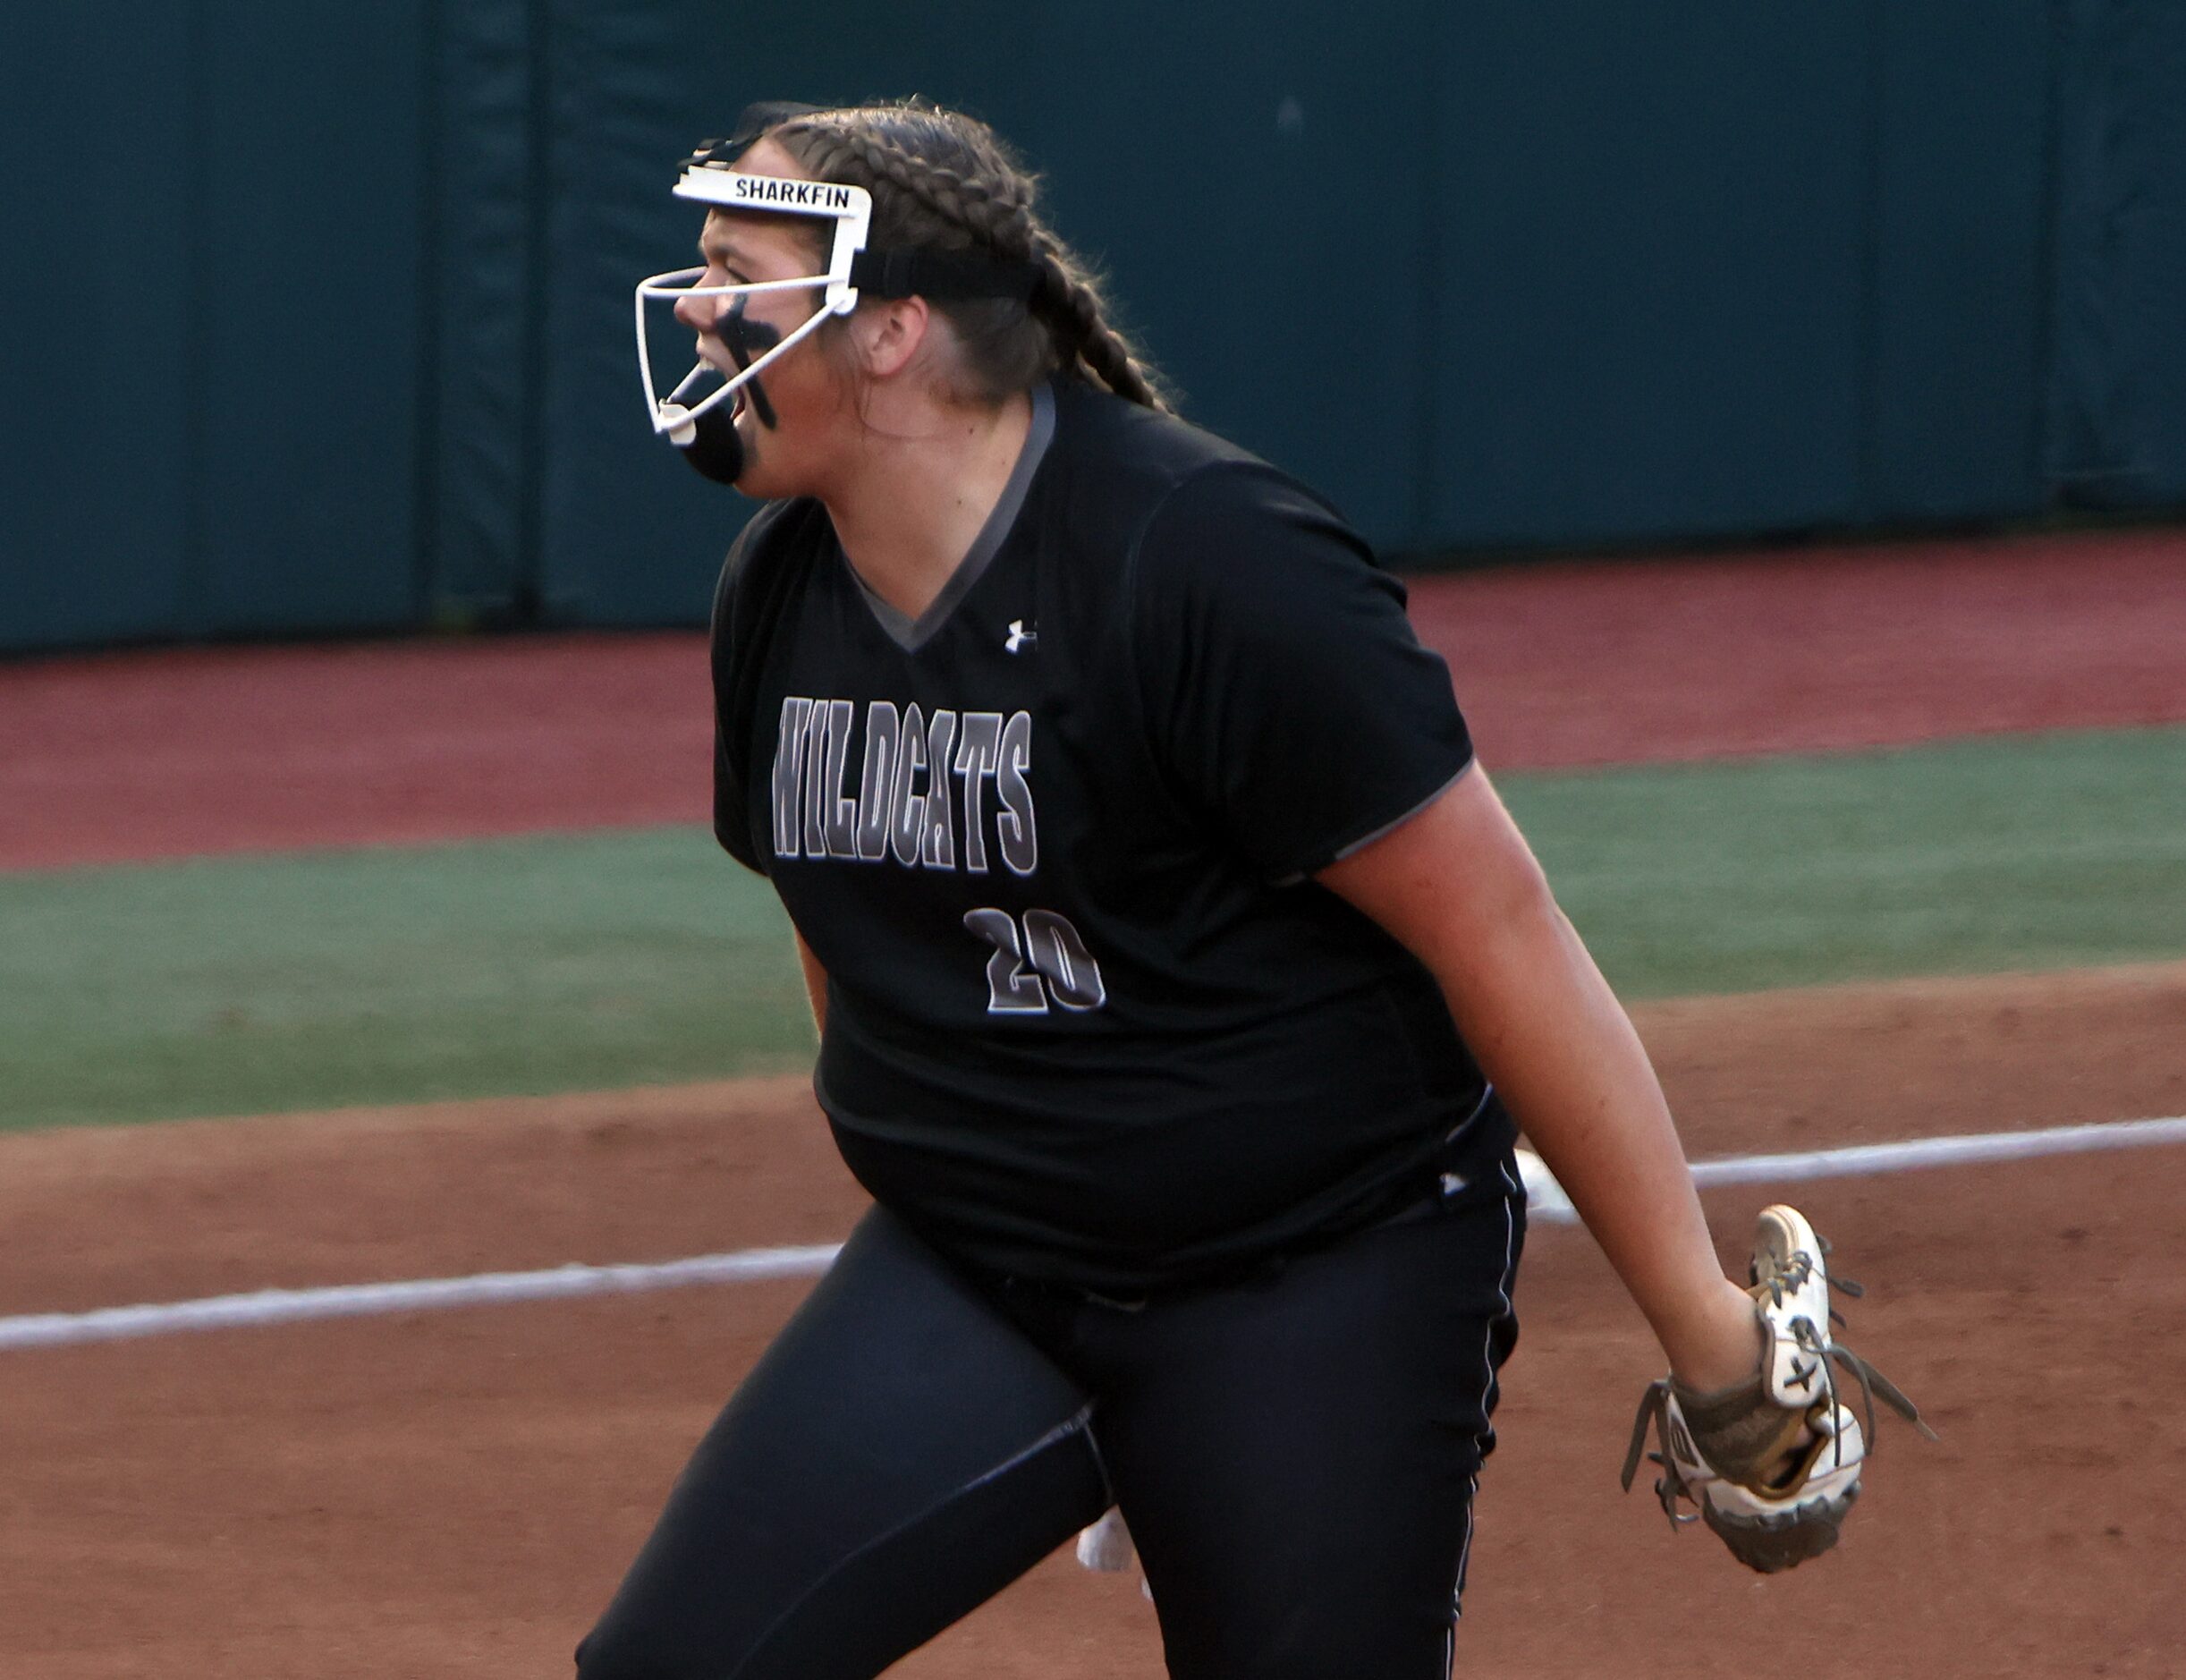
1070,297
998,213
990,204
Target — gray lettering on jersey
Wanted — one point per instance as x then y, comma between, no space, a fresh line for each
940,848
1054,947
876,804
1009,990
903,803
818,726
789,772
907,809
842,813
1014,824
976,759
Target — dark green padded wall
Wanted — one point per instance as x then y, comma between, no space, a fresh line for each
1959,160
1263,202
479,481
309,321
95,287
1652,287
318,318
2116,398
215,331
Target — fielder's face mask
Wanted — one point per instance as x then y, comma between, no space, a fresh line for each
697,421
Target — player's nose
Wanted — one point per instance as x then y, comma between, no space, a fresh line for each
698,313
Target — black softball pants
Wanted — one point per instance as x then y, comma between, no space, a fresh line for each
1295,1454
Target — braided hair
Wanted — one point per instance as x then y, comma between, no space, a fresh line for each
942,181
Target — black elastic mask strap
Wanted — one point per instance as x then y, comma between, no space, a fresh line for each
748,340
751,122
942,274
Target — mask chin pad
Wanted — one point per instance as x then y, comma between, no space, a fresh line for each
714,450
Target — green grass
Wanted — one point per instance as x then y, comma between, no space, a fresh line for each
1962,858
256,984
244,985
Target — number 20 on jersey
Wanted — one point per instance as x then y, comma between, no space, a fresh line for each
1047,959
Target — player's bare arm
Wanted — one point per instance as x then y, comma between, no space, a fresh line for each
1461,888
1749,1423
815,982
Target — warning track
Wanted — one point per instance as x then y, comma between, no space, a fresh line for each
183,752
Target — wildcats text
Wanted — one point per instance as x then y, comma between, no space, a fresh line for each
921,796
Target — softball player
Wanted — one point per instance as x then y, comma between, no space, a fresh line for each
1165,940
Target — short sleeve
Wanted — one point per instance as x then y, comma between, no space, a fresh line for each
747,602
1287,695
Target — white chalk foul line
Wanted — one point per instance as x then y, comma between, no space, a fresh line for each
1547,1201
287,1306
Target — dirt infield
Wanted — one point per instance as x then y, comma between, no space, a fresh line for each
454,1494
175,753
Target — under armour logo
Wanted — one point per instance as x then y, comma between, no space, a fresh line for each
1020,638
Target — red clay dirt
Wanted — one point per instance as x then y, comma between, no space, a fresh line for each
456,1493
165,754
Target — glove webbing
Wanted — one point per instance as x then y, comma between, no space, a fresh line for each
1734,1405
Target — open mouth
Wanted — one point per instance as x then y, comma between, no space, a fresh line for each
716,355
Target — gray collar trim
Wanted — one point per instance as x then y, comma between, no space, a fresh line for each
911,633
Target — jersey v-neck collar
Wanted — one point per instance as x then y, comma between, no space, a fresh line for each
911,633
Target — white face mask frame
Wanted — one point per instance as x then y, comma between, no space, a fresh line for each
715,184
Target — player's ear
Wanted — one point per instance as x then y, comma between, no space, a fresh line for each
889,334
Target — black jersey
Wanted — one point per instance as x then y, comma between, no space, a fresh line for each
1088,1020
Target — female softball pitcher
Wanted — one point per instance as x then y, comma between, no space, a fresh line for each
1179,974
